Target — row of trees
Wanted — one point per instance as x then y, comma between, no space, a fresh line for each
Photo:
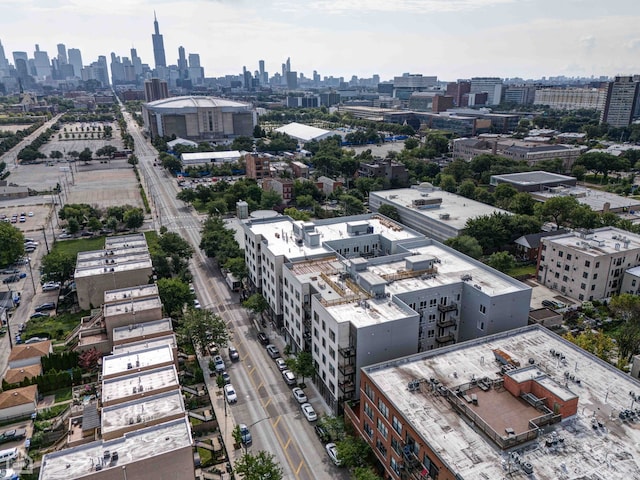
218,242
80,216
12,241
31,152
11,139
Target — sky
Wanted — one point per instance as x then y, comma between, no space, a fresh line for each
448,38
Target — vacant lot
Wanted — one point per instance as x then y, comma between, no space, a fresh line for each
79,139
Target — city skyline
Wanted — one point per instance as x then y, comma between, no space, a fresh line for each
451,39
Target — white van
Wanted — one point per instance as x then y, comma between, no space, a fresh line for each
8,455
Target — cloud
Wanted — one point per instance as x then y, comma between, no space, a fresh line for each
588,42
339,7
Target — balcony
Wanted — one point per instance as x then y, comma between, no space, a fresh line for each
447,308
347,369
348,352
347,388
445,338
447,322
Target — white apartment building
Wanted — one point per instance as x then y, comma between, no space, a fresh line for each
358,311
588,265
571,98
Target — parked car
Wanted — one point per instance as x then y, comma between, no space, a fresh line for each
219,364
45,307
196,304
9,271
50,286
289,377
11,279
332,451
30,214
225,376
322,434
192,289
273,351
299,395
230,394
233,353
309,412
262,338
281,364
39,315
245,434
11,435
35,340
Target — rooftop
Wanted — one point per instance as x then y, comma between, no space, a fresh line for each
16,375
303,132
147,381
130,292
122,363
458,208
598,200
125,240
18,396
195,102
532,178
132,305
595,442
280,236
147,329
38,349
80,462
137,263
129,347
598,242
141,411
210,156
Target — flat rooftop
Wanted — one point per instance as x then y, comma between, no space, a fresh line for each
598,200
532,178
113,365
106,255
141,411
169,340
459,208
125,240
137,330
281,239
80,462
131,305
130,292
130,265
602,241
147,381
611,450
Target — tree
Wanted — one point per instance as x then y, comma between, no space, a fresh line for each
106,151
467,188
12,242
134,218
302,364
256,303
352,205
173,244
334,426
353,452
85,155
171,163
174,294
411,143
365,473
133,160
261,466
297,214
270,199
56,154
58,265
465,244
94,224
73,226
491,231
502,261
597,343
627,307
522,203
389,211
201,326
242,143
558,209
448,183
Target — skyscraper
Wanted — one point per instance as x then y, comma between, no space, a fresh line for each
62,54
182,62
158,44
137,63
42,63
622,94
4,63
75,59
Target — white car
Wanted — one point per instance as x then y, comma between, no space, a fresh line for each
309,412
31,214
273,351
332,451
196,304
281,364
289,377
299,395
230,394
49,286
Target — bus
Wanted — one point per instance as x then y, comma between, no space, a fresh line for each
233,283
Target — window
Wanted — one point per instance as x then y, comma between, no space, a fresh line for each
581,297
368,391
423,304
381,448
568,256
394,466
332,353
483,309
583,286
587,263
432,317
593,287
384,410
397,426
431,333
566,267
585,275
597,264
595,275
565,278
560,253
368,410
397,447
324,326
633,283
332,336
368,430
433,302
332,370
382,428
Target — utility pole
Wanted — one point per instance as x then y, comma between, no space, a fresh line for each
45,239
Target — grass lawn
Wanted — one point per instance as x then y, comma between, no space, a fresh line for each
63,394
524,270
80,245
56,327
152,241
206,457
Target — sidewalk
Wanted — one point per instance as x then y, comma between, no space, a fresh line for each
223,413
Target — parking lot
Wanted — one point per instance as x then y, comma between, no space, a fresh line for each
80,142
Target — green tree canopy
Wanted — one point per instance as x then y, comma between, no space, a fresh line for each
58,265
174,294
502,261
465,244
201,326
12,242
353,452
134,218
557,209
256,303
389,211
261,466
85,155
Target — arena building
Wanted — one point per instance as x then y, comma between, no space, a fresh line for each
198,118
